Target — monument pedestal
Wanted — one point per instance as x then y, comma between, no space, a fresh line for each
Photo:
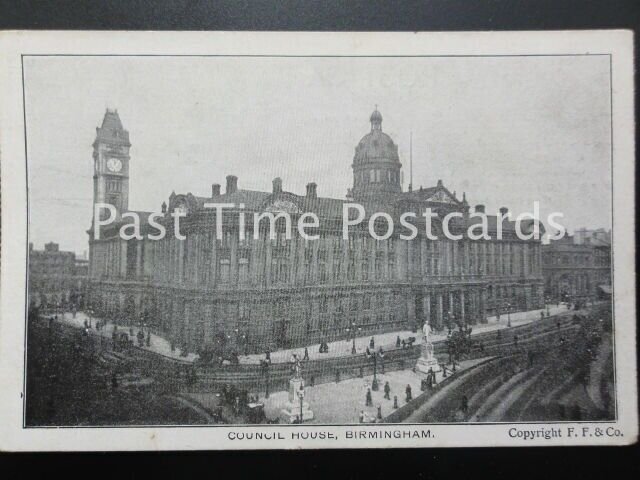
291,410
427,362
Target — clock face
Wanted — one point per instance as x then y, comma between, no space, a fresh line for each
114,164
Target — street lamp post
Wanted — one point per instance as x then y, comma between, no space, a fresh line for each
374,383
353,337
266,364
508,315
547,300
301,397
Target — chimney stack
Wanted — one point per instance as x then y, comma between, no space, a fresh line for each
312,190
504,211
277,185
480,208
215,190
232,184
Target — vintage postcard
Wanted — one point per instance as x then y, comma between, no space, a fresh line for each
316,240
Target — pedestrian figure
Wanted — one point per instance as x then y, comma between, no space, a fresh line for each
542,315
465,404
361,416
398,341
306,354
114,380
173,346
515,339
404,344
368,399
379,416
408,393
372,344
131,331
148,338
387,390
395,401
337,376
367,352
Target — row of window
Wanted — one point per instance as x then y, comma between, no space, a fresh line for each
599,259
377,175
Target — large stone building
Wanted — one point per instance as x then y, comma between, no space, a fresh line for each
578,267
273,293
56,278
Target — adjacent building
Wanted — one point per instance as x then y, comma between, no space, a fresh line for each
56,278
278,292
578,267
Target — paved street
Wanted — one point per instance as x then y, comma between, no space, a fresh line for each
342,402
339,348
158,344
387,341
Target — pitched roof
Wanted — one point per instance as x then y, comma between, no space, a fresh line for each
112,130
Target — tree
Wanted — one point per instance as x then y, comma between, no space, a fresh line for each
458,344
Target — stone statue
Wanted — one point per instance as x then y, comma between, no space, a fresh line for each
427,363
426,329
297,367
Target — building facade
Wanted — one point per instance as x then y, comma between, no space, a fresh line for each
277,292
56,278
578,267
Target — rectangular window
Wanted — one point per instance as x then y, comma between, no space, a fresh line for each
379,266
243,271
324,305
351,269
225,269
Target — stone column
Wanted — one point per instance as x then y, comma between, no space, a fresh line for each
139,258
451,311
411,309
267,259
462,313
439,319
426,308
483,305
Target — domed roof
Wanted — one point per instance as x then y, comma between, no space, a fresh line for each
376,145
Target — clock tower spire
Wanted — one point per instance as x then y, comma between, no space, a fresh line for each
111,163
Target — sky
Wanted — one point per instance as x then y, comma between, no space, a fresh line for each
506,130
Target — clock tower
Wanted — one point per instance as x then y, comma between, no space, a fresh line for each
111,163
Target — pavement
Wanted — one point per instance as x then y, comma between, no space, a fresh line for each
338,348
157,345
342,402
343,348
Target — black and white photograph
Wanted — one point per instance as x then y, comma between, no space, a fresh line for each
296,241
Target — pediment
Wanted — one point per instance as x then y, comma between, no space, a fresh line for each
442,196
286,203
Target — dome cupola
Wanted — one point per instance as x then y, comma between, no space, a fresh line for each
376,164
